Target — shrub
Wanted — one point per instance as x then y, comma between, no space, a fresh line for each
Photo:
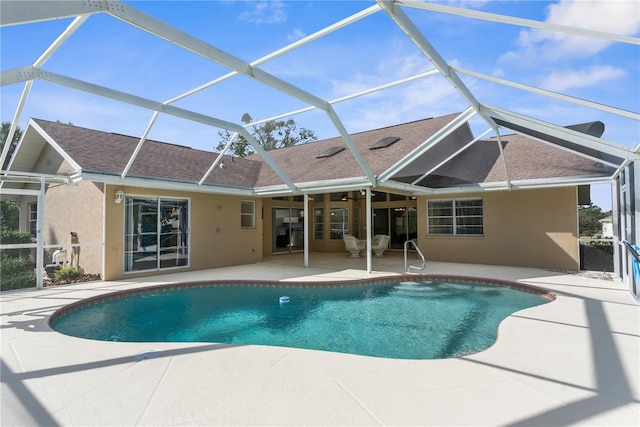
67,274
9,236
16,274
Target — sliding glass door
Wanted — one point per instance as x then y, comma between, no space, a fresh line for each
288,230
156,233
401,223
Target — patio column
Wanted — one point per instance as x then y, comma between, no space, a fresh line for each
368,207
40,235
305,221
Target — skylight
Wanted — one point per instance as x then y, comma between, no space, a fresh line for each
331,151
384,142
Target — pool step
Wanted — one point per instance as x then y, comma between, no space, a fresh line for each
414,287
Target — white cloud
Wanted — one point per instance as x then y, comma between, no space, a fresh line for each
562,80
265,12
424,98
470,4
295,35
617,17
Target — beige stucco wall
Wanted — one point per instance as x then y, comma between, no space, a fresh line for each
527,228
216,238
79,209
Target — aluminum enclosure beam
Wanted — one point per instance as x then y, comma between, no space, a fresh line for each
164,31
416,36
530,23
158,106
428,144
75,24
446,160
197,46
14,12
218,159
273,55
552,94
575,137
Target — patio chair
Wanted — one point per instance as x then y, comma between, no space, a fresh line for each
380,243
353,245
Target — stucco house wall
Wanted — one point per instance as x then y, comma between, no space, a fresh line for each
216,238
77,208
527,228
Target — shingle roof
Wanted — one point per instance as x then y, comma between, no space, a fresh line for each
300,162
526,158
106,152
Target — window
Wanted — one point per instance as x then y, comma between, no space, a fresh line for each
455,217
156,232
356,222
318,223
33,219
248,214
338,222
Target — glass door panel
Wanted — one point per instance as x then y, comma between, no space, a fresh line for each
155,233
381,221
296,229
288,230
400,223
399,227
173,233
141,234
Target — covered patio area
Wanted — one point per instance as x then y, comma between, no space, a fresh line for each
574,361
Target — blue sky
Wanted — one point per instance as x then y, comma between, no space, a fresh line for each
368,53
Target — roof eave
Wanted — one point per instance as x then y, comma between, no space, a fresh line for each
526,184
159,183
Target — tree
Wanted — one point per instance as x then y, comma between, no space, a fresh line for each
4,133
589,219
270,135
9,215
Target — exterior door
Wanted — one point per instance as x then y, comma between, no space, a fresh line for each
288,230
400,223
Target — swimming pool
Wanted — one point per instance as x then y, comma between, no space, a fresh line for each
411,317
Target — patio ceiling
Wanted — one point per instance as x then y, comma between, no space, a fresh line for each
450,141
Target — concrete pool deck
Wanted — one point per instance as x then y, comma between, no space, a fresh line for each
573,361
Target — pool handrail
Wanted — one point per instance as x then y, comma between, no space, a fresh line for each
408,267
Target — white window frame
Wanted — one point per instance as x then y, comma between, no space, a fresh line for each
33,219
339,228
455,217
318,223
251,215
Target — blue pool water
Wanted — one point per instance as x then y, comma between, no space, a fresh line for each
403,320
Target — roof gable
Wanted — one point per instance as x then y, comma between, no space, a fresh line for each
108,153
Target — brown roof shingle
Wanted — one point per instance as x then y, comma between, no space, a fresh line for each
106,152
300,162
481,163
526,159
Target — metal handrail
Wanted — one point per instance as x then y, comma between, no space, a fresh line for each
408,267
631,249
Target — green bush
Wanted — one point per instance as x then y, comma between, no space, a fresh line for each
67,274
9,236
16,274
